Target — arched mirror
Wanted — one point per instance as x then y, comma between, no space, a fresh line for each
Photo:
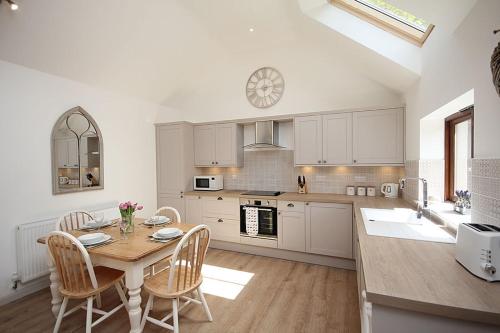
77,160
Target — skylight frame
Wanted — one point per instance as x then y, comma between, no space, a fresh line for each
385,20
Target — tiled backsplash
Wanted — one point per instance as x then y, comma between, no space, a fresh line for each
275,170
483,182
485,188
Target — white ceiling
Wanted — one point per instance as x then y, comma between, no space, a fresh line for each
157,49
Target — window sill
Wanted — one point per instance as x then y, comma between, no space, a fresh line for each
444,211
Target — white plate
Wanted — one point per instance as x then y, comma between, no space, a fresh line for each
95,224
166,233
91,238
103,240
156,220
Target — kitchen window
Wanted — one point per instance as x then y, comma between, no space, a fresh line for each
389,18
459,148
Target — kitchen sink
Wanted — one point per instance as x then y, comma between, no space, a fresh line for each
403,223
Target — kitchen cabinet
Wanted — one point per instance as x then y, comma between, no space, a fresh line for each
329,229
308,140
193,209
323,140
218,145
174,163
67,152
173,200
291,231
378,137
337,139
222,229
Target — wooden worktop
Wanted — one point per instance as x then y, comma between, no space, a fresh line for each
409,274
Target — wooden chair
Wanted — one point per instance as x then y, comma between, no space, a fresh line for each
169,212
80,280
181,279
73,220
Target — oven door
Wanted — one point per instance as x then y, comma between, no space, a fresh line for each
268,221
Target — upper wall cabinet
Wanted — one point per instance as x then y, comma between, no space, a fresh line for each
218,145
378,137
323,140
354,138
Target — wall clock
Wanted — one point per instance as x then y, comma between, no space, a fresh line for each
265,87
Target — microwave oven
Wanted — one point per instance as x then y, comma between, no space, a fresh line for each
208,183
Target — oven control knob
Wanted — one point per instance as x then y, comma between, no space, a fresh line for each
248,202
488,268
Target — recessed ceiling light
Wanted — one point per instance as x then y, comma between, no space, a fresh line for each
251,30
12,4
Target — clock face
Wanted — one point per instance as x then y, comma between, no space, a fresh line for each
265,87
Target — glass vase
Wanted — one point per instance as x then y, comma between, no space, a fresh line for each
127,224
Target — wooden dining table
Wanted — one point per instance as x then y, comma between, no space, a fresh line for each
131,255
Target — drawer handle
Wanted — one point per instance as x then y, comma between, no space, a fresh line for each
219,198
291,205
220,220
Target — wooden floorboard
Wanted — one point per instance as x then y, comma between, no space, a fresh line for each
281,296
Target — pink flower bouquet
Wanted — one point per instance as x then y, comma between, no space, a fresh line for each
127,210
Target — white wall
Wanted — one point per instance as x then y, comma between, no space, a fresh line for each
30,104
315,80
453,65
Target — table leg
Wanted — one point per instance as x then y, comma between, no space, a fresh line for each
134,278
54,287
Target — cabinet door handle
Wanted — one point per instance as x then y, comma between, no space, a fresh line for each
220,220
355,161
319,161
199,197
307,203
291,205
324,161
213,162
216,162
219,198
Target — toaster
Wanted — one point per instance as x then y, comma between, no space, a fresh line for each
478,250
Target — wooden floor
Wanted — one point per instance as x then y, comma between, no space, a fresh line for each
282,296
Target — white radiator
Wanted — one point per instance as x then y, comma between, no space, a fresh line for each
32,256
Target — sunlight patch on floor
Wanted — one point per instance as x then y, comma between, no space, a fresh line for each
224,282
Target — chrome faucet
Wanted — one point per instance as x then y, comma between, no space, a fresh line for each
420,208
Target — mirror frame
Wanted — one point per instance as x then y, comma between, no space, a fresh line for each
55,180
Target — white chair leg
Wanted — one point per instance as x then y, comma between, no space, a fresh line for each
98,301
88,325
61,315
204,303
122,295
175,305
146,311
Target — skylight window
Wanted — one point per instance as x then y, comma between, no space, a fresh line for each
390,18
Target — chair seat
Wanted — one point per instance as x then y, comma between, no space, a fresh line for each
105,276
158,286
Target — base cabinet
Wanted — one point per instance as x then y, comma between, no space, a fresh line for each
193,209
291,231
175,201
329,229
223,229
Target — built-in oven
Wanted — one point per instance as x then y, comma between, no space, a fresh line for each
267,212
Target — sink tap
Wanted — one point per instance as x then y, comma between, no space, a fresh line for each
425,199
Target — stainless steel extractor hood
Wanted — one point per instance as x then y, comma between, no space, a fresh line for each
266,135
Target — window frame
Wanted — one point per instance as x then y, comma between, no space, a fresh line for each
385,21
449,148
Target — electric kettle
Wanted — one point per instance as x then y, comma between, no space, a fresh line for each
390,190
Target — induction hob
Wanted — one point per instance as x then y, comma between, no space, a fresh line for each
263,193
